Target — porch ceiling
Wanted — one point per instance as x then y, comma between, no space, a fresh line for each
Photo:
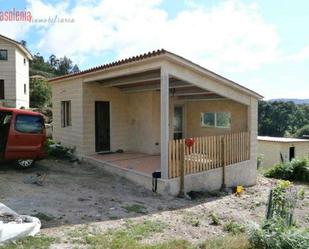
150,81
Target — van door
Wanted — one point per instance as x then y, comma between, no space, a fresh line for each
5,121
26,137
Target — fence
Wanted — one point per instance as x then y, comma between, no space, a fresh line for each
208,152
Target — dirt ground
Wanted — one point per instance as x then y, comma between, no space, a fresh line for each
77,195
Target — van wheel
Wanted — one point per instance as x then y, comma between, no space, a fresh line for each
24,163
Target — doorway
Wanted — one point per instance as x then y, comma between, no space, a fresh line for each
102,126
178,122
292,153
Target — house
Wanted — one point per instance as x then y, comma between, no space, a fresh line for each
14,73
274,150
144,107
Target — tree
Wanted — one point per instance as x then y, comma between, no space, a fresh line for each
40,93
281,118
303,132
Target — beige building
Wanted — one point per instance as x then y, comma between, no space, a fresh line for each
274,150
145,106
14,73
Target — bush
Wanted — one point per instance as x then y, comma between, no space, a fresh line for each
296,170
55,150
274,235
278,230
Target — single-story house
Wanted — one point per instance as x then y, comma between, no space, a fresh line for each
274,150
132,116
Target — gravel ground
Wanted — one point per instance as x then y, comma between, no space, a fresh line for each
81,195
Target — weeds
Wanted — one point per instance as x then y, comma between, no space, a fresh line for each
234,228
135,208
42,242
214,219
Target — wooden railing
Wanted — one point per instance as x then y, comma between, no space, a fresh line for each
208,152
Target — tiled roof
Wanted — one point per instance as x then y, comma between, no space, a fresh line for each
113,64
281,139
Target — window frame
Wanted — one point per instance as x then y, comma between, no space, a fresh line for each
66,113
6,57
203,125
27,132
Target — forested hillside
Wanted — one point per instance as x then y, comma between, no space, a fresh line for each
277,118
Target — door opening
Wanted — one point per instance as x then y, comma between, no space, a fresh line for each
102,126
178,122
292,153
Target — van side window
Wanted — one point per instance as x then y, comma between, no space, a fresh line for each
29,124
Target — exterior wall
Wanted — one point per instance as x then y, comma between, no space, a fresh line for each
15,74
8,73
239,117
22,77
270,151
71,136
119,116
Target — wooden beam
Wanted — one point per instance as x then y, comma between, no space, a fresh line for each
131,79
175,84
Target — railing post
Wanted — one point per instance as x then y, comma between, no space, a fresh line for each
223,186
182,170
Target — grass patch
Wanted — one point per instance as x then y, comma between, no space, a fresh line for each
135,208
234,228
228,242
191,219
43,217
37,242
127,237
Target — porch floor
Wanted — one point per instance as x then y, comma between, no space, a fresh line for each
140,162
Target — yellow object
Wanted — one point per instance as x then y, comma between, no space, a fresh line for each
239,190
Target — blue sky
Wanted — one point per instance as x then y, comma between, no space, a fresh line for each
263,45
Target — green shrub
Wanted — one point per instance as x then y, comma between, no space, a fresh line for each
274,235
59,151
296,170
234,228
278,231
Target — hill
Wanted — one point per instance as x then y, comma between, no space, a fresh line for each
296,101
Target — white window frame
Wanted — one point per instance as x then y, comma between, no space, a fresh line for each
215,120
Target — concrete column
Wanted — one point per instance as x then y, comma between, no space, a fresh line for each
164,121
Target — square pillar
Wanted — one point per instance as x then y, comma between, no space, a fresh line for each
164,121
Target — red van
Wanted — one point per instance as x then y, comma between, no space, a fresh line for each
22,136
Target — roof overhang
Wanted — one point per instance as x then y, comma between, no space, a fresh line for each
18,45
124,72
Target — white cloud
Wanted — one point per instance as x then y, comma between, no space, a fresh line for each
302,55
231,36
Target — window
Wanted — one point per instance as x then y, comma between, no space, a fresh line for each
25,89
24,61
66,113
1,89
3,55
216,119
29,124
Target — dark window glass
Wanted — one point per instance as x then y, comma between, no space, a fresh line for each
29,124
1,89
66,113
3,55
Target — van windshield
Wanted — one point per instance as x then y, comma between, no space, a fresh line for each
29,124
